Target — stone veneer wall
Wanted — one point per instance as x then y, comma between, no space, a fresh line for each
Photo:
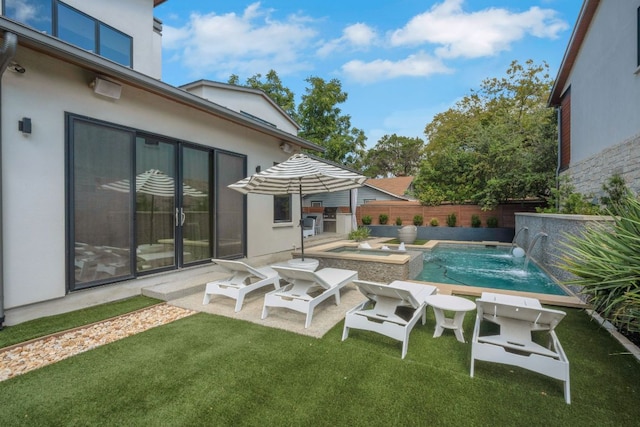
375,270
624,159
548,251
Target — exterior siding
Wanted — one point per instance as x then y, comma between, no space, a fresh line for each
605,88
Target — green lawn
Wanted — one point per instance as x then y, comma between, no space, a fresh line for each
211,370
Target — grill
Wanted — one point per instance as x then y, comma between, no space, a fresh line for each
329,213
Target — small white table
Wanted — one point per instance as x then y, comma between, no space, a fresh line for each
459,306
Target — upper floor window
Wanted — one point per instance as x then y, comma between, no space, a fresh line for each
60,20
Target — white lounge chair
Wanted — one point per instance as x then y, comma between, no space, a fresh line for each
513,345
301,292
391,310
242,280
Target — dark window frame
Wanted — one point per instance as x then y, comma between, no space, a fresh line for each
98,24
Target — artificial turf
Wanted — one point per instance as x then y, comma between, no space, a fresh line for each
211,370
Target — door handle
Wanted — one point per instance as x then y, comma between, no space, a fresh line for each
183,216
177,216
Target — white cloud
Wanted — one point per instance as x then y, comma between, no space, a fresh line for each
356,36
475,34
417,65
243,44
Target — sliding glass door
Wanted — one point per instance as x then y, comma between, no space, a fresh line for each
140,203
195,211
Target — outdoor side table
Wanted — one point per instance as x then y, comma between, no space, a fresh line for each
459,306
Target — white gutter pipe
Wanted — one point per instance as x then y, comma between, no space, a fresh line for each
7,52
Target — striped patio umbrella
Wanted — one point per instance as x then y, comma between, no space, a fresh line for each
300,174
154,183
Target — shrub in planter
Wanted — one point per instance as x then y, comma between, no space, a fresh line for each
451,220
417,220
398,221
492,222
434,222
475,221
362,233
366,220
383,218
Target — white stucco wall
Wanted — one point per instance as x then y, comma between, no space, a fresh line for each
33,166
605,84
239,100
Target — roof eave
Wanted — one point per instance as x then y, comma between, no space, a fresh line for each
585,16
57,48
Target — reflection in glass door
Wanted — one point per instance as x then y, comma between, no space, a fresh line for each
195,214
155,204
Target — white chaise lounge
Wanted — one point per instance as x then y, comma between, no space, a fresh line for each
518,318
306,289
242,279
391,310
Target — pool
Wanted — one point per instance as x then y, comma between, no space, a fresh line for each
485,266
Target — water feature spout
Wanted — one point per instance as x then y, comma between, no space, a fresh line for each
515,238
531,246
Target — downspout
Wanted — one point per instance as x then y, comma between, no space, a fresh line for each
7,52
559,113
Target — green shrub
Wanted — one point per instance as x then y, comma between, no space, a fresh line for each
398,221
434,222
492,222
418,220
383,219
616,193
451,220
366,220
606,259
362,233
475,221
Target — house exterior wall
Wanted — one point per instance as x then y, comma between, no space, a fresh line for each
134,18
605,88
249,102
33,166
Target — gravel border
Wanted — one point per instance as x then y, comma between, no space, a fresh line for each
24,357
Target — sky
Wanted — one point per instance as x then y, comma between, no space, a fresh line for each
400,61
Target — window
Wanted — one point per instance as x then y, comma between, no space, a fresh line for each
282,208
35,13
316,204
73,26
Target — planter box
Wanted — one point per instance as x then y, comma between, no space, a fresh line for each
468,234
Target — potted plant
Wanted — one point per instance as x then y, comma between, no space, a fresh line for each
434,222
398,221
383,218
408,234
418,220
492,222
475,221
451,220
366,220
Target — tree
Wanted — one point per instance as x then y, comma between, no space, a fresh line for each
495,144
273,87
394,156
323,123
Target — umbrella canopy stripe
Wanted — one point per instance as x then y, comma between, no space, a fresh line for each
300,174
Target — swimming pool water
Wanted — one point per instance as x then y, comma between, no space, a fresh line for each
485,266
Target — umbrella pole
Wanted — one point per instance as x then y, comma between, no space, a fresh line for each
301,221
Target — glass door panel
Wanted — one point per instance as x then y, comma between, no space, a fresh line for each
196,207
101,227
230,206
156,207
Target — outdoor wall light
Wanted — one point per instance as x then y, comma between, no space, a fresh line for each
287,148
24,125
106,88
258,169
